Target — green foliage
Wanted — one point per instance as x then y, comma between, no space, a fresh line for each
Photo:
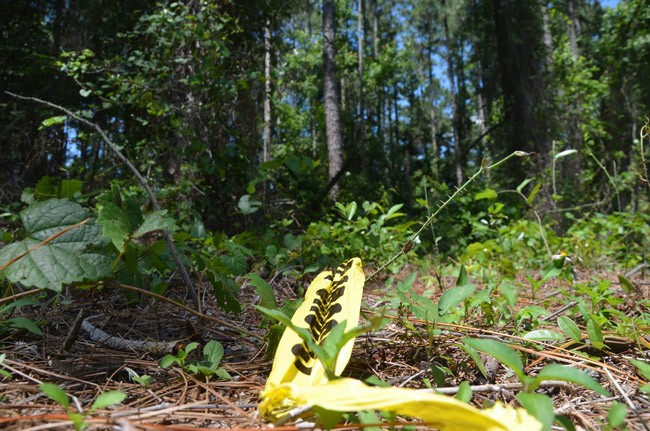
540,406
60,247
208,366
600,239
364,232
58,395
143,380
19,322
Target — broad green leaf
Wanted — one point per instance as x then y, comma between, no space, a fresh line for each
625,284
265,292
67,188
543,335
55,393
595,334
616,414
569,327
64,259
115,224
155,221
213,352
248,205
392,212
167,361
569,374
501,351
107,399
553,269
540,406
488,193
453,297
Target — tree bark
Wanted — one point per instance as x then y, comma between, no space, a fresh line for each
362,102
454,102
266,156
331,96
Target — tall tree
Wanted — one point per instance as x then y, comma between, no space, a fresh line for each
331,96
520,56
362,102
267,92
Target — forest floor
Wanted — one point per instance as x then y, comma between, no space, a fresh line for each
176,400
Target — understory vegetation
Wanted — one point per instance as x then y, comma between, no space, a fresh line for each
170,190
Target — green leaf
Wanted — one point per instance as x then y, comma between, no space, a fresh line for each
464,392
540,406
108,399
68,188
616,414
463,279
212,353
369,417
63,260
488,193
643,367
565,153
523,184
553,269
569,374
167,361
501,351
595,334
476,357
48,122
543,335
533,193
55,393
115,224
626,284
156,221
569,327
84,93
248,205
453,297
265,292
23,323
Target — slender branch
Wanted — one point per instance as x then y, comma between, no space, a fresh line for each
409,244
168,238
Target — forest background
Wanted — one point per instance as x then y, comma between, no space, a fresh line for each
282,137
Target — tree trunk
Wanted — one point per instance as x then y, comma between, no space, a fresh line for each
375,28
574,27
331,96
362,102
520,55
454,103
267,92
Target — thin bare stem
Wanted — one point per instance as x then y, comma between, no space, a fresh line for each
409,244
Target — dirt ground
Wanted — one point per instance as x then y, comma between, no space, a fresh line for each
86,365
